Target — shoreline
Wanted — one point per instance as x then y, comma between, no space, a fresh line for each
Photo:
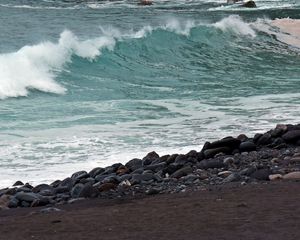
233,212
272,155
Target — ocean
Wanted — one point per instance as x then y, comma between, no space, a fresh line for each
91,83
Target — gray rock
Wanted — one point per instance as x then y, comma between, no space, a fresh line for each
138,178
149,158
76,190
18,183
234,177
247,147
209,153
291,136
134,164
42,187
182,172
265,139
49,210
262,174
153,191
181,159
96,171
79,175
13,202
247,171
228,142
27,197
212,163
155,167
228,160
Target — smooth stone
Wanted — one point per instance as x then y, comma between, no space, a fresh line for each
112,179
224,174
171,159
76,190
61,189
190,178
18,183
295,160
247,147
264,139
249,4
149,158
234,177
107,187
212,163
273,177
156,167
181,159
42,187
262,174
137,178
4,201
79,175
182,172
134,164
292,176
209,153
153,191
49,210
256,137
96,171
27,197
170,169
74,200
291,136
247,171
13,203
122,170
228,160
67,182
228,142
23,189
88,191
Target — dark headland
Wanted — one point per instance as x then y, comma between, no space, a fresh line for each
233,188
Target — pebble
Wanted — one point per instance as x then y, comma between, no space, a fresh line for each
292,176
273,177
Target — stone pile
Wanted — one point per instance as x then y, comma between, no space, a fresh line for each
274,155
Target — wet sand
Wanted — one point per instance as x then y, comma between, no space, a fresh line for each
256,211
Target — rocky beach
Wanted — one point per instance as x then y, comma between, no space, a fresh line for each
270,156
242,186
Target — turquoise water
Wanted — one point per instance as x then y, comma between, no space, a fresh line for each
88,83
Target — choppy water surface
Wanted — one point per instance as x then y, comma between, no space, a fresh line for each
88,83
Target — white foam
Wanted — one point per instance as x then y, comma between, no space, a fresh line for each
35,67
235,24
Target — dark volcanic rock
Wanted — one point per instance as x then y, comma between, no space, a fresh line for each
107,187
247,147
149,158
182,172
13,203
229,142
76,190
79,175
213,163
134,164
262,174
209,153
170,169
18,183
249,4
291,136
27,197
156,167
42,187
138,178
96,171
265,139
